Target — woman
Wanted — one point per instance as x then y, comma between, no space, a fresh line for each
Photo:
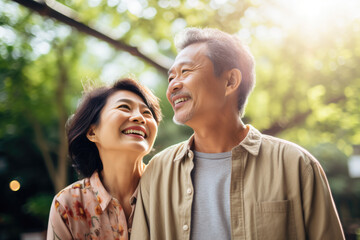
108,136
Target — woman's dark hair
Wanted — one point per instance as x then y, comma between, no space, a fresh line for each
84,153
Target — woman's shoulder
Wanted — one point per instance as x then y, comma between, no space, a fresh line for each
74,192
75,204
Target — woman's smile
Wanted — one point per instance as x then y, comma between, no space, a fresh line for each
135,131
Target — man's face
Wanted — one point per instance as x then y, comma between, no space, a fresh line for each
194,91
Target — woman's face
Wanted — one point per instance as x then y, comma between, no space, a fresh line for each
126,124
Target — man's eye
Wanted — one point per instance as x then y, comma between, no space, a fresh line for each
170,79
185,70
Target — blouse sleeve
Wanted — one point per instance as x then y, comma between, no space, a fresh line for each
58,226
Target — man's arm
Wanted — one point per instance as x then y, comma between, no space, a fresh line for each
320,215
140,228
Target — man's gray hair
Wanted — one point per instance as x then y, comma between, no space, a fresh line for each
226,52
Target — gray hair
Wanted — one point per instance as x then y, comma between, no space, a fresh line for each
226,52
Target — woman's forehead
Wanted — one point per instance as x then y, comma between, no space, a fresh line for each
126,96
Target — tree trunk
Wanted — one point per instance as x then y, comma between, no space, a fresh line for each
63,81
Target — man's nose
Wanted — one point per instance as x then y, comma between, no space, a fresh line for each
174,86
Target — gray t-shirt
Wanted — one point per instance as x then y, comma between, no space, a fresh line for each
211,177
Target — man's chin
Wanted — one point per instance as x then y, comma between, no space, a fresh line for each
177,122
182,118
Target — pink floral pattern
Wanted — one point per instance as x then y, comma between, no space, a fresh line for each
85,210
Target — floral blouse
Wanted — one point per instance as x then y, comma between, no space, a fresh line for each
85,210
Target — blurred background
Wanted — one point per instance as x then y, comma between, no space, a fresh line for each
307,91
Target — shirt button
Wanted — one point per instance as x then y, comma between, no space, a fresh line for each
185,227
188,191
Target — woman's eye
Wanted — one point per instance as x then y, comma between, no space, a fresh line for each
147,112
124,106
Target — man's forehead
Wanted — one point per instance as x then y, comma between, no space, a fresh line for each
193,50
180,62
189,55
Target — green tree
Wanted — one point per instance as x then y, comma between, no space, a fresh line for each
307,82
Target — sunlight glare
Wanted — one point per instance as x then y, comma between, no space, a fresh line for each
113,3
149,13
134,7
150,79
94,3
216,4
317,15
178,25
7,35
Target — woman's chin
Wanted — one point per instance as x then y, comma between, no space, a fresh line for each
140,148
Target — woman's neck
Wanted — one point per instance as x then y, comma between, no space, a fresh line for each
120,177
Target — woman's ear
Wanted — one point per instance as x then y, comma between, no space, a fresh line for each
233,81
91,134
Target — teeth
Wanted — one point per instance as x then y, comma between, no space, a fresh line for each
132,131
179,100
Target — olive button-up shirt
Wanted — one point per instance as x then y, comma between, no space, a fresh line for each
277,191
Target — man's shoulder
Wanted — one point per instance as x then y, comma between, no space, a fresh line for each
166,157
286,148
171,152
164,162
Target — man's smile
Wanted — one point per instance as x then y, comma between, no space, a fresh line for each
180,100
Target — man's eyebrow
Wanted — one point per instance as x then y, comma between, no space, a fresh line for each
129,101
179,64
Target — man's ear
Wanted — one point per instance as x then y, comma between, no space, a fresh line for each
91,134
233,81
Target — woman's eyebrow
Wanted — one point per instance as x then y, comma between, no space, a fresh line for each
129,101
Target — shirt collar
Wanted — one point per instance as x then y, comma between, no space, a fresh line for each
185,148
250,143
102,196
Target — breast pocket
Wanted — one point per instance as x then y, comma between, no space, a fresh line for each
274,220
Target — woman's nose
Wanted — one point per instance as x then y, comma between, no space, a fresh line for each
137,117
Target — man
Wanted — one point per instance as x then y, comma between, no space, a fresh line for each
228,181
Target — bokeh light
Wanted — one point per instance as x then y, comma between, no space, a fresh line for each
14,185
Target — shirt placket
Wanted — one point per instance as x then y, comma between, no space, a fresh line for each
186,224
237,195
131,218
118,227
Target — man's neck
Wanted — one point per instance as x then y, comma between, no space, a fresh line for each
220,138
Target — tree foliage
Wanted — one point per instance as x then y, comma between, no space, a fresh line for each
307,85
